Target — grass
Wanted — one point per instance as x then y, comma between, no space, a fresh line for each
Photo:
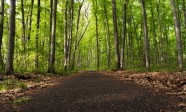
12,83
21,100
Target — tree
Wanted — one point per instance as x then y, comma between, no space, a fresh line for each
30,21
10,54
76,35
178,36
23,32
70,30
146,41
95,5
1,30
108,35
53,39
116,44
124,33
65,37
37,35
154,33
49,43
135,29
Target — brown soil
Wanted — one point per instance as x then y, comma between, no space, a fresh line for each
93,91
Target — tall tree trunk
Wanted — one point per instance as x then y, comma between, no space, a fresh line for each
37,36
71,19
116,44
49,44
10,54
108,35
156,54
124,34
160,17
1,31
97,38
23,25
146,41
23,34
65,38
178,36
30,21
53,36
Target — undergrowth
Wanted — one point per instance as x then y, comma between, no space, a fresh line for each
12,83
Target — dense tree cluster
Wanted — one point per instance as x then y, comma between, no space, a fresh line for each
57,35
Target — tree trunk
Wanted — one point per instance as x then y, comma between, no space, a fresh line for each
154,35
65,38
23,25
124,34
116,44
108,36
71,19
1,31
30,21
146,41
10,54
178,36
37,36
49,43
53,36
97,38
23,34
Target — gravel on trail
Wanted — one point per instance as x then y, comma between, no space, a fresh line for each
96,92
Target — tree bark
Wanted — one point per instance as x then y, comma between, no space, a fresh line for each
37,36
178,36
30,21
1,31
23,25
116,44
108,35
156,53
49,44
124,34
71,19
97,35
10,54
53,36
146,41
23,34
65,38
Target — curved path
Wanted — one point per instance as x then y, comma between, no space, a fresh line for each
93,91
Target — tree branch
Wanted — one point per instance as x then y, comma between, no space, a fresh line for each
82,35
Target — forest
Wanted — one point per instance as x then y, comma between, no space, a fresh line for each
92,55
67,35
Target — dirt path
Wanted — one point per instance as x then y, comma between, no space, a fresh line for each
94,91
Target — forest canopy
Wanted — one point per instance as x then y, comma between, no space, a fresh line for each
66,35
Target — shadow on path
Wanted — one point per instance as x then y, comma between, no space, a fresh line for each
93,91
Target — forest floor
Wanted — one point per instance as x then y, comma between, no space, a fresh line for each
100,91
